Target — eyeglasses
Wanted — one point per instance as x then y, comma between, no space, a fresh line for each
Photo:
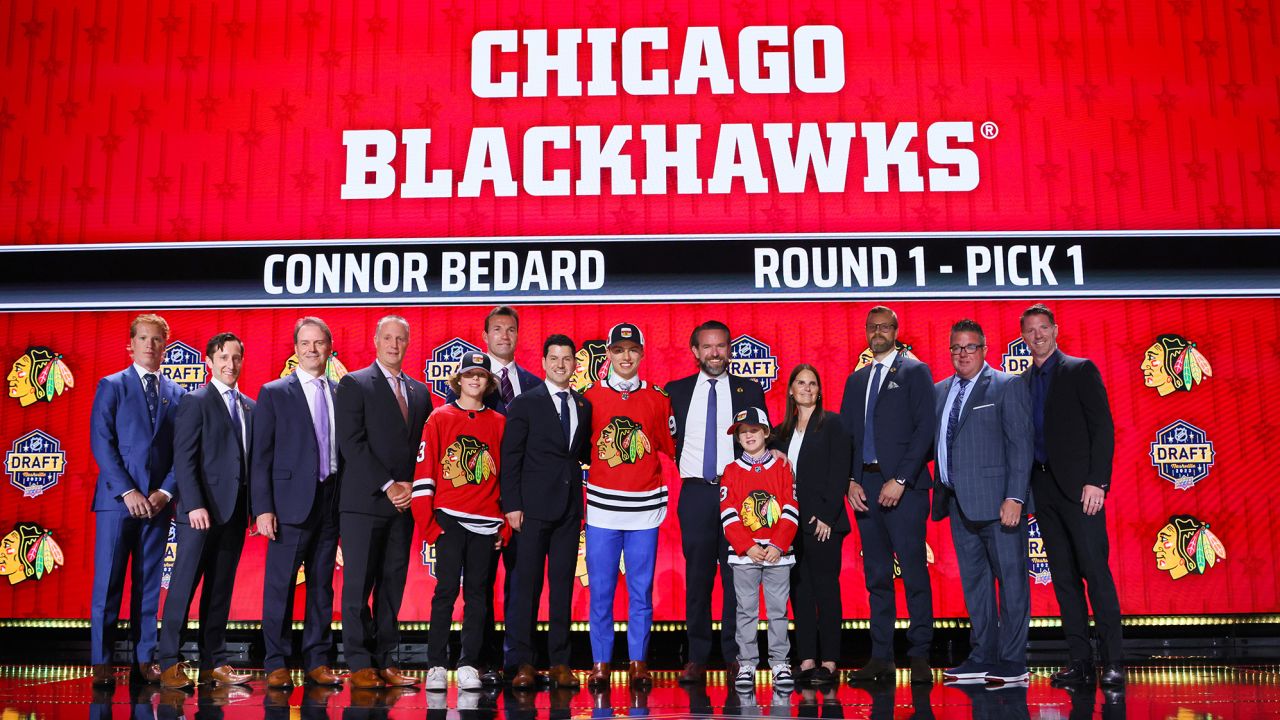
968,349
882,327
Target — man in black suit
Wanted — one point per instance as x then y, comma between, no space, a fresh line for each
543,448
888,410
1070,478
210,463
380,412
704,405
294,495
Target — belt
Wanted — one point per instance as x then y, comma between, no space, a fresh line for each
705,481
871,467
1041,467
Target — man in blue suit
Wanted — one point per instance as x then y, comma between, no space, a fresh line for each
294,494
981,475
888,412
131,433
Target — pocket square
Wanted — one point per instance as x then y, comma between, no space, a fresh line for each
891,385
985,406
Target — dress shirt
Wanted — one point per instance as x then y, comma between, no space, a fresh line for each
222,389
793,450
887,362
513,373
615,381
309,389
398,387
573,406
695,426
1040,378
946,416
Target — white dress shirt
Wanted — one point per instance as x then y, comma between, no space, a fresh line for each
793,450
573,407
695,426
513,374
222,389
309,389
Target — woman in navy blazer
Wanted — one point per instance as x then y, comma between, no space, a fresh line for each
818,447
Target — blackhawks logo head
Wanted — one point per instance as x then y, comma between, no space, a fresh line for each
28,551
467,460
760,510
39,374
593,365
866,357
622,441
1185,546
1173,363
333,367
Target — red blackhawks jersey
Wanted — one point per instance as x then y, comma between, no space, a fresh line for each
758,507
458,470
624,487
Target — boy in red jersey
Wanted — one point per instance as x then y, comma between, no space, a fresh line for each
760,519
631,424
455,500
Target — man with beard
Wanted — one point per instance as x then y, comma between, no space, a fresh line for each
704,405
888,410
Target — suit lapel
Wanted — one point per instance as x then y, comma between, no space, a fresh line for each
941,400
165,392
382,389
977,395
860,382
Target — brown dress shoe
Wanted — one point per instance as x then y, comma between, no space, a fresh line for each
322,675
394,678
525,678
148,674
599,677
174,698
175,677
693,674
104,675
279,678
639,674
224,675
366,679
562,677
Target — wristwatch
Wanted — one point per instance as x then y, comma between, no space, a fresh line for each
901,481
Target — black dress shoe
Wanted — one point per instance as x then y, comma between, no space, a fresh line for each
921,672
1077,673
822,676
1112,675
491,678
875,669
804,676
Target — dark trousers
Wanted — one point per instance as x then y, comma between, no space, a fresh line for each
990,554
702,539
376,549
136,544
1077,549
207,558
549,547
312,544
885,532
815,596
494,649
463,558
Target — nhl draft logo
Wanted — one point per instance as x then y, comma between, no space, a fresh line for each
1182,454
170,555
1173,364
444,362
866,357
35,463
592,366
1037,559
39,375
429,557
29,552
333,368
1185,546
1017,358
301,577
184,365
897,568
750,358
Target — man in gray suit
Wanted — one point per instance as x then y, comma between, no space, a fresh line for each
980,482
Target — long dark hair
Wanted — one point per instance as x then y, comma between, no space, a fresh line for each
792,415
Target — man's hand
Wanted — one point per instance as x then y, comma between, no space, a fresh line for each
891,493
400,494
198,519
772,554
267,525
1092,498
756,553
497,541
1010,513
515,519
137,505
857,496
781,457
821,530
158,500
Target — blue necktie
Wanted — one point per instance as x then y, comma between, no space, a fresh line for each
869,427
709,468
564,415
235,417
952,421
153,398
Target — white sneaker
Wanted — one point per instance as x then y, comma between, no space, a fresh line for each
746,677
437,678
782,675
468,678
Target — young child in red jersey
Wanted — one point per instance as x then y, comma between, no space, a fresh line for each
760,519
455,500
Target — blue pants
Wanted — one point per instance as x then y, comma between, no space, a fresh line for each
137,543
604,549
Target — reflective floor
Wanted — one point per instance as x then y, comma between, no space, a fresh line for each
1183,692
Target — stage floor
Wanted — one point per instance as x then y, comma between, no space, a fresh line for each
1183,692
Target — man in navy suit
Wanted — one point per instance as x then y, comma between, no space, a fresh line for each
546,441
980,482
888,411
380,412
704,405
294,495
211,465
131,433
